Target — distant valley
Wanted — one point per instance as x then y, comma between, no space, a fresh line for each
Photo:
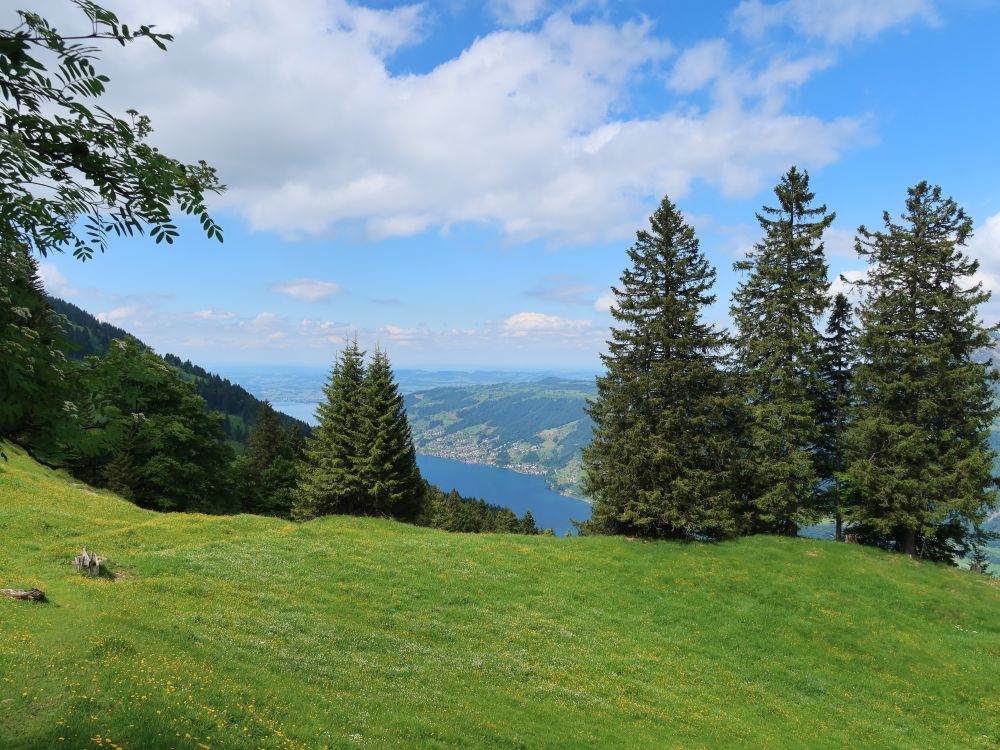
534,428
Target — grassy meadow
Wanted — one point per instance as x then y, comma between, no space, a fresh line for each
245,632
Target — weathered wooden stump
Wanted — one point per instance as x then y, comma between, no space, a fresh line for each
88,562
850,538
973,568
30,595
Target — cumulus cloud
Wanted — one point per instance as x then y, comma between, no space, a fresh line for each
525,130
836,23
985,247
700,65
54,281
525,323
605,302
308,290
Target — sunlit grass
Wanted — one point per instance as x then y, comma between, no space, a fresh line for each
244,632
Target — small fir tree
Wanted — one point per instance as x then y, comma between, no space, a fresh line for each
836,363
329,479
266,474
388,461
660,460
776,311
918,444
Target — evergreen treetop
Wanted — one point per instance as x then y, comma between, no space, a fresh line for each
776,310
657,465
388,463
919,449
330,481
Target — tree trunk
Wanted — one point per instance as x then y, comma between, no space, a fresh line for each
907,542
838,531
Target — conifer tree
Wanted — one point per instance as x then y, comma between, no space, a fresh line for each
836,363
388,461
918,445
776,310
33,371
329,480
266,474
659,462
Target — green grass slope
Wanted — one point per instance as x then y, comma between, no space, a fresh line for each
244,632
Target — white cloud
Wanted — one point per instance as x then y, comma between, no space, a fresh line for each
517,12
985,247
844,283
524,130
836,23
54,281
308,290
120,315
839,243
605,302
525,323
700,65
213,314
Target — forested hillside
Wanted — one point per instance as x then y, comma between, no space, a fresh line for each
535,428
88,336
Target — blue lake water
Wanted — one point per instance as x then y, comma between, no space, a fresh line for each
519,492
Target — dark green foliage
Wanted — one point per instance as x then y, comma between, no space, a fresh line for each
33,372
918,445
776,310
72,173
330,480
833,405
361,458
388,462
144,432
86,336
267,473
660,463
450,511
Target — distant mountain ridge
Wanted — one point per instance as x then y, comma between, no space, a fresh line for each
89,336
535,427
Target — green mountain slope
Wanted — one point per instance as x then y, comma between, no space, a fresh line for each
246,632
89,336
535,428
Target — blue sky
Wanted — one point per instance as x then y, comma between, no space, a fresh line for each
458,182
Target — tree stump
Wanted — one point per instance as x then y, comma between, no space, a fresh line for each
30,595
88,562
850,538
974,568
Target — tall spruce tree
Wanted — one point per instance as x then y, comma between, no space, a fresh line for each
918,446
659,462
388,462
836,364
776,310
330,480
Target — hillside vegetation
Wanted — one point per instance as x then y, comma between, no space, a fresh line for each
247,632
87,336
536,428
